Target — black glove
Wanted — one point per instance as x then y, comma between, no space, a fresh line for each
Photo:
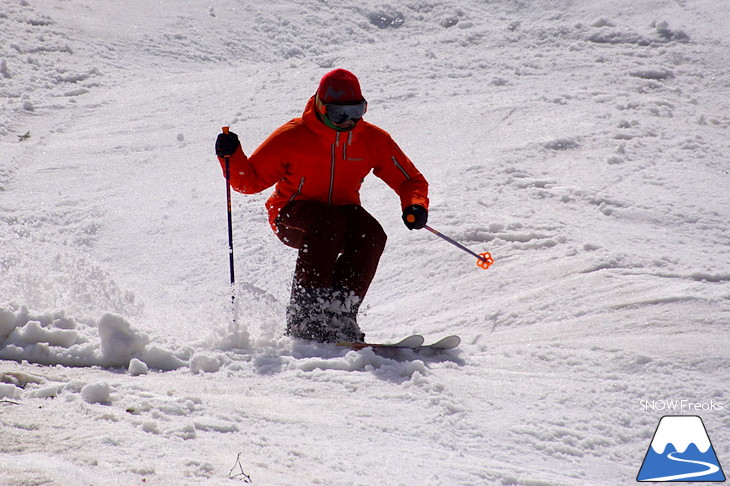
226,144
415,216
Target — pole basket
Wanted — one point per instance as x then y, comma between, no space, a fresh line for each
486,260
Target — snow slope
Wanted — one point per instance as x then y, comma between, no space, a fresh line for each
584,144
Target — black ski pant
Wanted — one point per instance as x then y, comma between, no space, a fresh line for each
339,246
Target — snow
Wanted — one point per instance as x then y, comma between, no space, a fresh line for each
137,367
97,392
583,144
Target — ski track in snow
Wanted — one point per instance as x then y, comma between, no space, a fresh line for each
584,145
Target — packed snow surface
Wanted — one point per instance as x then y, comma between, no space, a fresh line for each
584,144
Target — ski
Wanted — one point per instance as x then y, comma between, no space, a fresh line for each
414,342
411,342
449,342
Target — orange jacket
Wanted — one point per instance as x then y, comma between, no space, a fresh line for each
309,161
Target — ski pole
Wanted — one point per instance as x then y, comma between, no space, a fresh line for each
484,260
230,230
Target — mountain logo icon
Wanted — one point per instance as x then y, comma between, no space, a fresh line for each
681,451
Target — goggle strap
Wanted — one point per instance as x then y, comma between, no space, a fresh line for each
321,107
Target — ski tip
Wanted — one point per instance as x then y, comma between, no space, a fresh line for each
449,342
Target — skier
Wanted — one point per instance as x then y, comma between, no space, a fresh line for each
318,163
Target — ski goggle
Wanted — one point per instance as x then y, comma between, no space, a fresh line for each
341,113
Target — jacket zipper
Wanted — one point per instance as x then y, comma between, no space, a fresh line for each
395,161
332,168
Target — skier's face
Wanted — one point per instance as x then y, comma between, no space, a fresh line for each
346,125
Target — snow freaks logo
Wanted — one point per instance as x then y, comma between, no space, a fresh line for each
681,406
681,451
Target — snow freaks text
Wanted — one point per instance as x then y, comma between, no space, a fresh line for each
681,405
